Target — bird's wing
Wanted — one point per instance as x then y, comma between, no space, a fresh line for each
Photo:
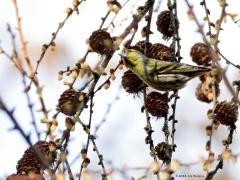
171,81
160,67
163,67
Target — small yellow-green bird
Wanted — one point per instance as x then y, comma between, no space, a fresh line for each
160,75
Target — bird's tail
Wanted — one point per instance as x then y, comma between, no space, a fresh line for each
191,71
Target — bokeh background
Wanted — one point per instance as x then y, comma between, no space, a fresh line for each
121,138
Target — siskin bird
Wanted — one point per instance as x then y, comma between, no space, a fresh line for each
160,75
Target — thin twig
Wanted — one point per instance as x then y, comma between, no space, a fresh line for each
22,40
227,60
116,14
24,75
148,127
177,52
45,47
88,138
17,126
95,148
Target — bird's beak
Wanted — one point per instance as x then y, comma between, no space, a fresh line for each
122,54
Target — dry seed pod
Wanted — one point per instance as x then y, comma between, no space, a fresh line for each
226,113
200,54
131,83
69,101
204,91
209,76
140,46
101,42
164,24
164,152
35,159
26,177
157,104
160,52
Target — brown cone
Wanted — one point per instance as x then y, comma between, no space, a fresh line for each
164,24
201,54
28,177
164,152
209,76
101,42
226,113
160,52
69,102
33,158
140,46
157,104
204,91
131,83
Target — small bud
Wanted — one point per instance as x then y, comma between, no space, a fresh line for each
67,83
82,73
52,146
121,66
44,120
207,147
107,85
69,11
75,3
60,77
226,154
101,71
216,125
211,156
74,74
209,130
69,123
113,77
81,98
86,162
111,71
53,125
84,153
206,166
210,114
44,47
155,167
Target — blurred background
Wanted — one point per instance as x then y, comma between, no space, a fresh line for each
121,139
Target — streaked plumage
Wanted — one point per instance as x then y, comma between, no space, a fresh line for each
160,75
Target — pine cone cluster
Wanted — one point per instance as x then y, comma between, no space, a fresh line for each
164,24
33,158
157,104
101,42
200,54
226,113
204,91
164,152
160,52
69,101
131,83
